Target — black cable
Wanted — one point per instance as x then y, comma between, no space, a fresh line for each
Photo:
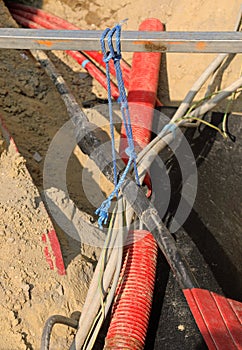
55,319
90,140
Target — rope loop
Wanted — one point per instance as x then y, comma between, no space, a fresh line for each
108,56
116,56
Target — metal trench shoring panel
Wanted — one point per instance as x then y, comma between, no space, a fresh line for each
132,41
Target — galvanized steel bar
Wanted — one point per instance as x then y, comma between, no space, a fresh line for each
133,41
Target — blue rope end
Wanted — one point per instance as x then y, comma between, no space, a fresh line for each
102,212
103,218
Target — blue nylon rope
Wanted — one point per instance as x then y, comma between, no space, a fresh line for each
116,56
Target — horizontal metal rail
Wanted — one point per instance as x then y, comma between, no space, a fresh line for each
87,40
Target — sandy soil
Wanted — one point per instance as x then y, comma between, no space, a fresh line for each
26,282
34,112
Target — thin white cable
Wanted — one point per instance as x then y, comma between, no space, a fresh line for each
182,109
111,293
93,299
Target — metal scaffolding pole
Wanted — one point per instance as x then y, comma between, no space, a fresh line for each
133,41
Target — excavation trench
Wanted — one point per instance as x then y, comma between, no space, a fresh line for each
33,113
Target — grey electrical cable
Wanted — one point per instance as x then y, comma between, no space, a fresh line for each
214,65
109,299
93,300
159,143
210,104
182,109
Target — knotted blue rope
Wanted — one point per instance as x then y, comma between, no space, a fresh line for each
116,56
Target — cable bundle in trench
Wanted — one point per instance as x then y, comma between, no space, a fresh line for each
199,111
145,247
133,300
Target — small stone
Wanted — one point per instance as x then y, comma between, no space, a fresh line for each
60,289
83,75
15,322
24,56
11,315
25,287
181,327
37,157
17,306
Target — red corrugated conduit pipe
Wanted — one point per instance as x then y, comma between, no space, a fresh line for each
35,18
49,21
133,299
23,19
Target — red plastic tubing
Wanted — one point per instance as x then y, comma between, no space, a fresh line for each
49,21
142,90
35,18
25,19
133,300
